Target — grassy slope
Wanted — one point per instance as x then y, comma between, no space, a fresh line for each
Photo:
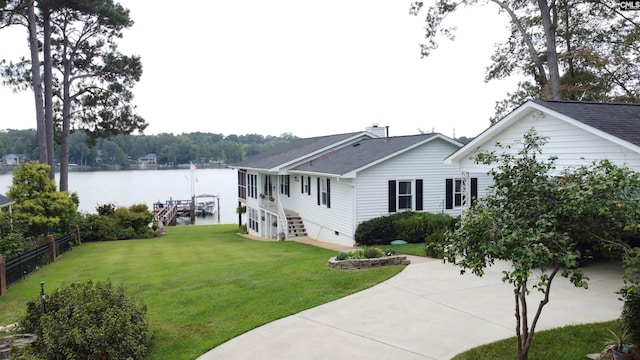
202,284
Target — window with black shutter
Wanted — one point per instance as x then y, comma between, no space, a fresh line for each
392,196
453,192
419,199
448,194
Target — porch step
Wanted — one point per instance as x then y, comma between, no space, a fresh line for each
295,227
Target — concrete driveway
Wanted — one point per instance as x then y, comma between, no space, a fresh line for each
428,311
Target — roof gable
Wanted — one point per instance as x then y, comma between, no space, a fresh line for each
297,151
5,201
617,119
365,153
617,122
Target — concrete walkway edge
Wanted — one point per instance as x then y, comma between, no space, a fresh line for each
427,311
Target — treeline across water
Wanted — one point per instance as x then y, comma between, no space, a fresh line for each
169,149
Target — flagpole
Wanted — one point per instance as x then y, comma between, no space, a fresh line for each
192,169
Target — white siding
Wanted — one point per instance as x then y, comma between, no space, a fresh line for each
572,145
321,222
425,162
366,196
484,182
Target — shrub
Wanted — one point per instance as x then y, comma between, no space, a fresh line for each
364,253
434,245
99,228
137,217
380,230
126,233
106,209
409,226
631,313
372,253
122,223
11,244
89,321
411,229
375,231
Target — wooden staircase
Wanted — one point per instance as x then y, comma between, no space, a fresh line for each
295,226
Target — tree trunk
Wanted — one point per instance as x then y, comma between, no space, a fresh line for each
541,76
48,93
549,25
37,83
567,38
66,127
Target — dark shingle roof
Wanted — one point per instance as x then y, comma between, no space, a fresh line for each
289,152
5,201
617,119
360,154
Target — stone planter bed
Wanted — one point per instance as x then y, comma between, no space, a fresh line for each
353,264
11,341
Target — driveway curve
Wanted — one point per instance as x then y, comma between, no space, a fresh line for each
427,311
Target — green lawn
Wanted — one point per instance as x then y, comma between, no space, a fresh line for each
203,285
408,249
570,342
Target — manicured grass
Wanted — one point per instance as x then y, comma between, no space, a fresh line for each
202,285
408,249
570,342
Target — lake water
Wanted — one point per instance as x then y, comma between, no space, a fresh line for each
129,187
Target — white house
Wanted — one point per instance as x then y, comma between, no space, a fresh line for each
13,159
323,187
148,159
578,133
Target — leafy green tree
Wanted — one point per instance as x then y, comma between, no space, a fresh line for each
79,152
20,142
568,49
539,222
93,90
112,154
38,203
169,148
96,79
230,151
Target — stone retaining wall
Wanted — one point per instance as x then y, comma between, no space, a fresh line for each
368,263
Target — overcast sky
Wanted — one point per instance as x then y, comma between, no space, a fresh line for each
308,68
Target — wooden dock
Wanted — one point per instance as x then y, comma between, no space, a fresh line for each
167,213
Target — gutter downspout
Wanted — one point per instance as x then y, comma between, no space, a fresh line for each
353,205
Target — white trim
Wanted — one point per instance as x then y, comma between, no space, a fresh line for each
352,174
528,107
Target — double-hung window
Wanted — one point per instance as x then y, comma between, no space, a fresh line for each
324,192
454,192
242,184
405,195
284,184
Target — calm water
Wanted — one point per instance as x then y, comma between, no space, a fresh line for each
128,187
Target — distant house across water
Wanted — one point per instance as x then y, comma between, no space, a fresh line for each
148,159
13,159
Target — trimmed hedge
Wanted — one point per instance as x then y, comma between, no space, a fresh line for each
380,230
409,226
